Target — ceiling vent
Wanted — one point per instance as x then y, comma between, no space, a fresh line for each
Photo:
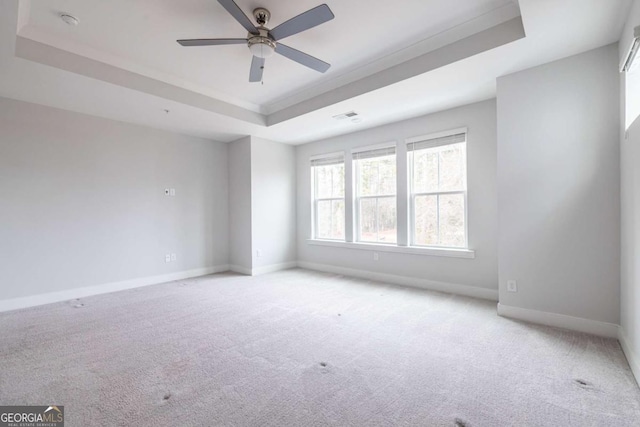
344,116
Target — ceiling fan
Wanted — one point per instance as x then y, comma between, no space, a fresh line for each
263,42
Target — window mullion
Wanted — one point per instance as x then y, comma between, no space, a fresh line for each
376,196
441,193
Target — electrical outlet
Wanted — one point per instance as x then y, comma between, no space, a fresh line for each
258,253
167,258
173,257
376,256
512,286
172,192
167,191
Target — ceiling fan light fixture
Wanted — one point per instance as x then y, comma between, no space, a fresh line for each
262,47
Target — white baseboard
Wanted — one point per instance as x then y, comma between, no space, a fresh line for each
413,282
577,324
105,288
262,270
240,269
274,267
632,356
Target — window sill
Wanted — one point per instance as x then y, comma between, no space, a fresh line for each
444,252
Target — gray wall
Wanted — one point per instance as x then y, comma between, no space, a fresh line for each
240,232
630,192
82,201
630,285
559,186
261,204
482,272
273,201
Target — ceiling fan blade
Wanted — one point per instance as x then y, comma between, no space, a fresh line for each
210,42
309,19
302,58
257,67
239,15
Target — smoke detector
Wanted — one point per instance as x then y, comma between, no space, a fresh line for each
69,19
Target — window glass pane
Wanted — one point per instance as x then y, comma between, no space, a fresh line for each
329,181
337,213
452,167
323,219
330,219
338,180
452,220
367,177
426,220
377,176
387,229
425,171
367,220
386,175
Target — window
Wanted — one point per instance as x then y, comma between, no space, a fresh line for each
328,196
388,198
375,178
438,190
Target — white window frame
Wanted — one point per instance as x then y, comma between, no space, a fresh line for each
357,199
404,206
314,192
413,195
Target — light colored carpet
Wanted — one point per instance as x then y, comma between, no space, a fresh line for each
299,348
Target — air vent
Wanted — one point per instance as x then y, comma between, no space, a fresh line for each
344,116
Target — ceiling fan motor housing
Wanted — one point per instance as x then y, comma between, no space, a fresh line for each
261,45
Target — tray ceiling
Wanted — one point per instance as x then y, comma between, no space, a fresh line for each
141,36
390,60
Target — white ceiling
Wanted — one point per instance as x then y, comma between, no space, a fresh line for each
390,60
143,34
